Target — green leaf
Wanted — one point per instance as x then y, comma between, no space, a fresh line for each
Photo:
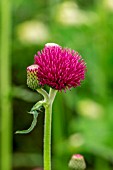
33,124
36,109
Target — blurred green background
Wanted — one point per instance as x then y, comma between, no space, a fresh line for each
82,117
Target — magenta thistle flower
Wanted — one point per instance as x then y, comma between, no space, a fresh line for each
59,68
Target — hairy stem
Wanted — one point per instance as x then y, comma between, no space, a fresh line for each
44,94
47,137
52,94
47,103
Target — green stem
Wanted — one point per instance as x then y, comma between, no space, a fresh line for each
5,85
47,130
52,94
43,93
47,103
47,137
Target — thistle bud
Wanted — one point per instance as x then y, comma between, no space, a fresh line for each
32,79
77,162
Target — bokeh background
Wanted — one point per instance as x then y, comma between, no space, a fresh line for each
82,117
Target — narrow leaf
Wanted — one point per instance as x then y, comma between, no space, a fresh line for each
33,124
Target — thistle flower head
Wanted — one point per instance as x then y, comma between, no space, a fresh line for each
32,79
59,68
77,162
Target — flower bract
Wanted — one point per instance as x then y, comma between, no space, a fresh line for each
32,79
77,162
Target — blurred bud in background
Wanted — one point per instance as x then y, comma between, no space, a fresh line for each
90,108
76,140
32,32
109,4
68,13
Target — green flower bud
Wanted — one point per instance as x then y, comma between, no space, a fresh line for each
32,79
77,162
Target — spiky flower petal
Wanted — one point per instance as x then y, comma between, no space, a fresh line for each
77,162
59,68
32,79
